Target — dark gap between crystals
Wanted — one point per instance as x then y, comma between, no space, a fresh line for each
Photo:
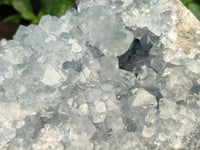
136,56
94,50
195,89
72,65
75,6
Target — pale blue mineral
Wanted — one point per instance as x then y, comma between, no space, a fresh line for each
107,75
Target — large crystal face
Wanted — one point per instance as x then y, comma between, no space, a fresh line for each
103,76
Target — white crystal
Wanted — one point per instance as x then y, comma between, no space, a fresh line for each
10,73
98,118
193,66
152,116
75,46
177,84
83,110
9,56
174,57
86,72
49,23
93,95
49,138
51,76
113,32
142,98
100,106
111,105
126,3
148,132
106,87
162,137
168,108
64,83
50,39
114,122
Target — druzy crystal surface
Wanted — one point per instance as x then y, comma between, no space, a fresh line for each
108,75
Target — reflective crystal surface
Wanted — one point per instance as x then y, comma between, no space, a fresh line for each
104,76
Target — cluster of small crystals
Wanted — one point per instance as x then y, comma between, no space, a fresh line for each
61,87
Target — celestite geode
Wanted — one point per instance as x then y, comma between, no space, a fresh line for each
109,75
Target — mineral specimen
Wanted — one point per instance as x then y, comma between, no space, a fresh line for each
108,75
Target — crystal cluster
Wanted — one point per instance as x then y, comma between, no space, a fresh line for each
102,77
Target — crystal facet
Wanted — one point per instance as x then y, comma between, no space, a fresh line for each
109,74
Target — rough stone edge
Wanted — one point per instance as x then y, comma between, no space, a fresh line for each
187,28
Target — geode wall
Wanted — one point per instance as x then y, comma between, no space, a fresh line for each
108,75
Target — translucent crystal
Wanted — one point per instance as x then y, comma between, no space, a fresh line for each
142,98
51,76
176,84
114,122
109,74
114,32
